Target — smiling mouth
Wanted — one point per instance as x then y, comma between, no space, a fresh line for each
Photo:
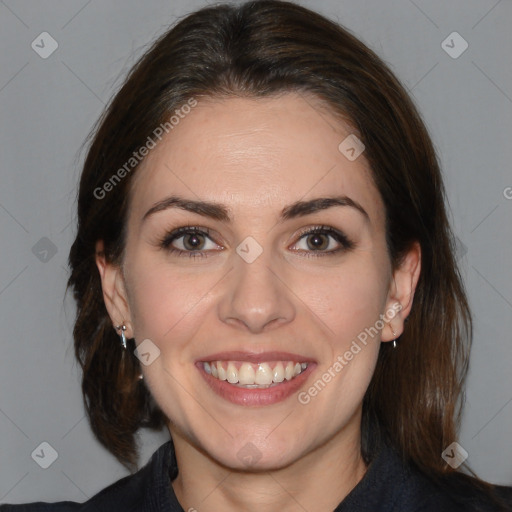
254,376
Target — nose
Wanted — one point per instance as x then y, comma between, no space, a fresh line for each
256,297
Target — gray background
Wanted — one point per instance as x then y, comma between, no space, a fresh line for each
48,106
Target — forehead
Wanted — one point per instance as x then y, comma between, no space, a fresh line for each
255,155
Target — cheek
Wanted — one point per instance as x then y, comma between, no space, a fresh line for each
166,303
348,300
349,303
168,307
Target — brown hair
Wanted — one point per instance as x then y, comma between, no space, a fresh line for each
259,49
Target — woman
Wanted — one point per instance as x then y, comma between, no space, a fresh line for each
264,266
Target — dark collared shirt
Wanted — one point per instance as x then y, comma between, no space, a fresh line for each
388,486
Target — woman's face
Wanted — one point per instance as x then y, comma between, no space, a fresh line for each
267,336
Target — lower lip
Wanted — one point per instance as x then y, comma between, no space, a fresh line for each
256,397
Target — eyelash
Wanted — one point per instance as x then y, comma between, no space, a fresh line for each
345,243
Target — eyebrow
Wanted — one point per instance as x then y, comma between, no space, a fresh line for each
220,212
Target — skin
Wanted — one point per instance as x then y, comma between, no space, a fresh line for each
256,156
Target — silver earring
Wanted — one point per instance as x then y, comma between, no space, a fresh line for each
122,328
394,341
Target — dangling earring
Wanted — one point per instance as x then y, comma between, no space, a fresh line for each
394,341
122,328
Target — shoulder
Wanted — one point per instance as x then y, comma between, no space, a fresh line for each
455,493
394,483
63,506
124,492
128,493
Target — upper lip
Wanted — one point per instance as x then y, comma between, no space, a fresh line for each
255,357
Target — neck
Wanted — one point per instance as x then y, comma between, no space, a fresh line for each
319,481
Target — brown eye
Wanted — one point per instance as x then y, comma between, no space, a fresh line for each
193,241
322,240
190,241
317,241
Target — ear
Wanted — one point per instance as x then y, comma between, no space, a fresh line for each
114,290
401,293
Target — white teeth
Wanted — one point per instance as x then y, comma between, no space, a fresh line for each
232,373
278,372
263,374
254,375
221,371
246,374
288,371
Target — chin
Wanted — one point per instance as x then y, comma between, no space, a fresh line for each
256,455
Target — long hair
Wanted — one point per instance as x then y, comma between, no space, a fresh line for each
258,49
